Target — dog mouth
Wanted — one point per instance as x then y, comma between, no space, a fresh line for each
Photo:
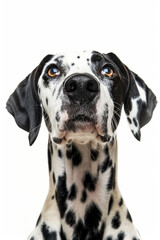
81,127
80,123
81,118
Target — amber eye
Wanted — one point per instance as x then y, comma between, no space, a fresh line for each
53,71
107,71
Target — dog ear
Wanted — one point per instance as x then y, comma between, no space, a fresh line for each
139,101
139,104
24,103
25,107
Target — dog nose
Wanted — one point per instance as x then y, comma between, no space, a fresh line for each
81,88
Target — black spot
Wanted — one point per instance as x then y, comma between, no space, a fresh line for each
106,163
62,234
68,145
135,122
61,194
51,148
74,154
88,61
92,216
53,197
32,238
47,101
54,179
129,120
39,219
89,182
80,232
84,232
96,234
50,145
110,204
57,140
59,153
94,154
105,138
49,160
69,124
106,150
84,196
109,238
78,56
72,193
69,153
128,216
116,222
76,159
96,57
47,235
47,121
70,218
134,238
120,236
57,116
72,64
121,202
111,182
53,92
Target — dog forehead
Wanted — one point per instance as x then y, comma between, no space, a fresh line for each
70,56
77,61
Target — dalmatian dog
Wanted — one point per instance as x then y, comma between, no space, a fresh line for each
81,96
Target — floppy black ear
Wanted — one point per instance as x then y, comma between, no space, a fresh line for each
139,102
25,107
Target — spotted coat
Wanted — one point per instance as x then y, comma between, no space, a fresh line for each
81,96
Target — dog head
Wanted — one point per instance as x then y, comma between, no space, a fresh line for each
81,96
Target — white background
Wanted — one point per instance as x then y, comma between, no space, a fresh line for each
31,30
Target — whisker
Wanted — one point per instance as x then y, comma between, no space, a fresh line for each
35,128
114,123
117,108
38,125
117,114
117,103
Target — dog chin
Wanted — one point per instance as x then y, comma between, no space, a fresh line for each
81,132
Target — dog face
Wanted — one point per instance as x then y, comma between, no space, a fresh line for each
81,96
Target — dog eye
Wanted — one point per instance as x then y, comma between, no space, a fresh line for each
53,71
107,71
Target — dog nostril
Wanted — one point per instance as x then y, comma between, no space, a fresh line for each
92,86
70,86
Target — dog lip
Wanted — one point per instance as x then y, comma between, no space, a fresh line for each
79,122
81,118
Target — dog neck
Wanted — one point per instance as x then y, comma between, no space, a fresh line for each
82,174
